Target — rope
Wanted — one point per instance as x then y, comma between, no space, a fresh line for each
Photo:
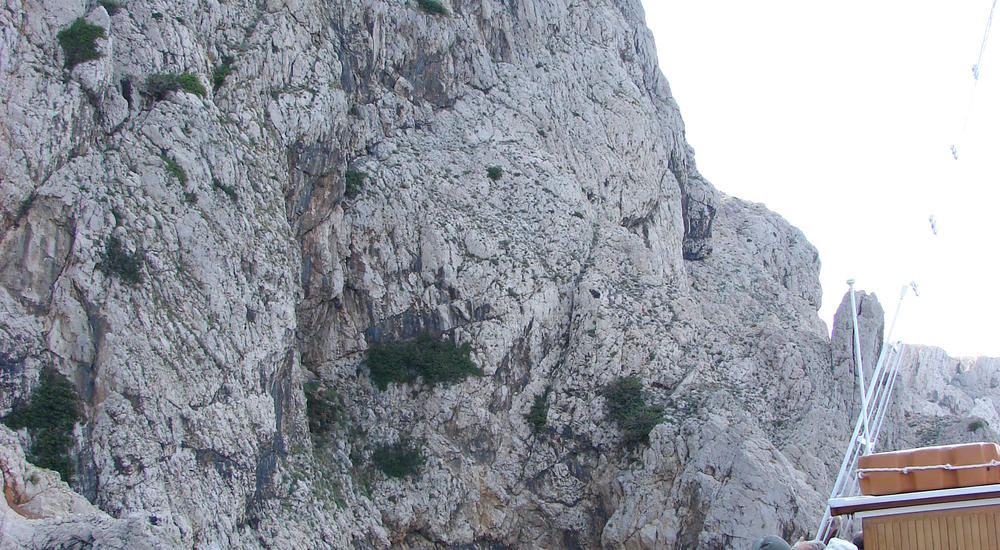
908,469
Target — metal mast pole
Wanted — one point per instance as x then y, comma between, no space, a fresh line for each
861,374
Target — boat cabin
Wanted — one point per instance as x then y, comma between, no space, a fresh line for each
932,498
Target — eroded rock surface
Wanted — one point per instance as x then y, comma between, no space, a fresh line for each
595,251
41,511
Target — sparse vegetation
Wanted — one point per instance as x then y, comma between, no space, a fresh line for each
49,415
537,417
625,405
429,357
117,261
175,169
322,408
433,6
22,208
160,84
401,459
229,190
976,425
221,71
157,15
111,6
494,172
353,181
79,42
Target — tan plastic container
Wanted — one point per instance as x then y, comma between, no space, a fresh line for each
931,470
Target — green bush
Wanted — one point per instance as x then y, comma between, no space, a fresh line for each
111,6
401,459
189,82
494,172
160,84
537,417
115,260
353,181
49,415
431,358
175,170
322,408
79,42
432,6
221,71
977,424
625,405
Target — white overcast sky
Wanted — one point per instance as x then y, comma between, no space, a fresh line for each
840,117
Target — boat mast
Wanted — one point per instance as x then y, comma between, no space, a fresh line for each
878,394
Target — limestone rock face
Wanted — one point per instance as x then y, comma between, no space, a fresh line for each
944,400
189,261
40,511
937,399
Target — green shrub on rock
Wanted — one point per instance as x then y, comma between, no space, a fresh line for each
79,42
322,408
353,181
49,415
433,6
190,83
537,417
625,405
175,170
401,459
426,356
221,71
160,84
117,261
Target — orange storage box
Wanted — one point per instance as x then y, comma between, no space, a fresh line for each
929,468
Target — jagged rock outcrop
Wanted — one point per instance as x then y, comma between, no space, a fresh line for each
41,511
512,175
936,399
943,400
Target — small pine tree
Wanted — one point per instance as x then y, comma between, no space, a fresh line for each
49,415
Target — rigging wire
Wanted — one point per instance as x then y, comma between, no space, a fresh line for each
982,46
976,70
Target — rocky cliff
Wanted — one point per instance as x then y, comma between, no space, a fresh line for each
230,201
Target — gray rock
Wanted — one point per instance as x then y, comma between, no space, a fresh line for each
600,252
41,511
